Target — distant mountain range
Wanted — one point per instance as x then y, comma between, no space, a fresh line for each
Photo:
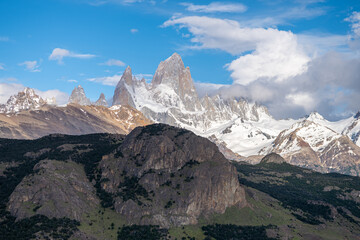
243,130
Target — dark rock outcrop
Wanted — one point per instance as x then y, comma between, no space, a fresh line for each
57,189
177,176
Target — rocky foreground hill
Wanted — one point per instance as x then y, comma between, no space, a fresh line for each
163,182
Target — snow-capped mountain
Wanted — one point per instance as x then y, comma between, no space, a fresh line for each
78,96
25,100
312,145
172,98
349,126
239,127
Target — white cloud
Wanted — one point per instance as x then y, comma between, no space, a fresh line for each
113,80
114,62
109,81
72,81
8,79
61,97
354,19
302,99
275,15
2,66
318,43
59,53
31,66
216,7
146,76
273,53
4,39
134,30
9,89
207,88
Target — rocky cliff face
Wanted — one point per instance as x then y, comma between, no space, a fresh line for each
72,119
58,189
24,100
122,94
178,176
78,96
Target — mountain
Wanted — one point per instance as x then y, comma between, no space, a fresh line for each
71,119
171,98
309,144
157,175
101,101
163,182
180,177
243,130
78,96
25,100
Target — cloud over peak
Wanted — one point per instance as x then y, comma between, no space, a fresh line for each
261,53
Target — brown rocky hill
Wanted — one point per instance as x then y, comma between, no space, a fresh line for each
72,119
178,176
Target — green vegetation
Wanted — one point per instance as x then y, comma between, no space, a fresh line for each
146,232
102,223
40,225
232,232
302,191
131,189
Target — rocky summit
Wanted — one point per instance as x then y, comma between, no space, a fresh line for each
78,96
101,101
176,177
24,100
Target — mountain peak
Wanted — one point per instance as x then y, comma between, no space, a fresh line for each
101,101
24,100
173,74
126,77
128,70
174,57
122,96
78,96
315,116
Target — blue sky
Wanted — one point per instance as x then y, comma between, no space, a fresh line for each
59,44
